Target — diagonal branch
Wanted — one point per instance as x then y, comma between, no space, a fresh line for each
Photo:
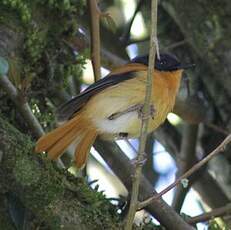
22,105
195,168
217,212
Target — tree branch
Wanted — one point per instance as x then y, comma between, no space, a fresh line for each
195,168
145,119
218,212
211,193
22,105
117,160
64,201
25,110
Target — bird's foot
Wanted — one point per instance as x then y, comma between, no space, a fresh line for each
138,108
151,112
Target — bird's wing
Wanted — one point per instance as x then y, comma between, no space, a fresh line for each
67,110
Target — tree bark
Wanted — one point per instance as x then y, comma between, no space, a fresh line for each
55,198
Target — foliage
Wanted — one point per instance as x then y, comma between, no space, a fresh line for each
45,60
43,44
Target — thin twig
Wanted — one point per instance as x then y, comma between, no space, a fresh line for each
218,212
22,105
192,170
95,38
145,119
148,170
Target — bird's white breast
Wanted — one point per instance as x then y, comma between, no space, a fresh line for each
126,123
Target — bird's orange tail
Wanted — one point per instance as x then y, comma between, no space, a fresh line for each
83,147
58,140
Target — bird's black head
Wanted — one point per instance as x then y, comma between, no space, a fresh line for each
166,62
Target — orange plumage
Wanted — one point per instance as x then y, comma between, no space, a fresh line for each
122,93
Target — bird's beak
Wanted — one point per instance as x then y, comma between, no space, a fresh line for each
187,66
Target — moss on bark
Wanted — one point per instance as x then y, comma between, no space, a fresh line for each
54,197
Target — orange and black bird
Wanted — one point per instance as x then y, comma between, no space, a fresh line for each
111,107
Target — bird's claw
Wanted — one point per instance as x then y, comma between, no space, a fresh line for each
139,109
151,113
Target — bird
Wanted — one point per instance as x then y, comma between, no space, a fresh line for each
111,108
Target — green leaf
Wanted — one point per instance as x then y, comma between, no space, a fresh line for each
4,66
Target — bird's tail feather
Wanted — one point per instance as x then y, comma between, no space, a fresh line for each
58,140
83,147
48,140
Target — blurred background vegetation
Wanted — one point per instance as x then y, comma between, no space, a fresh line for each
47,46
